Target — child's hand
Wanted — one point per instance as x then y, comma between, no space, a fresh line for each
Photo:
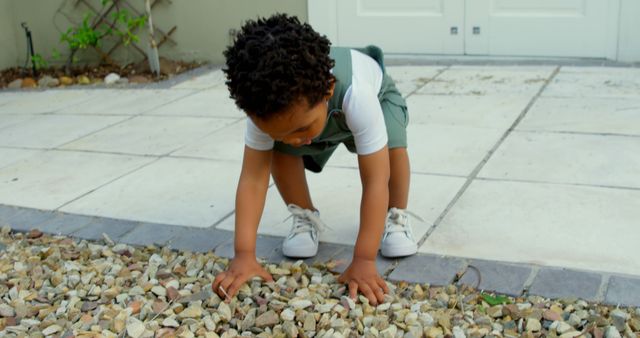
363,276
241,269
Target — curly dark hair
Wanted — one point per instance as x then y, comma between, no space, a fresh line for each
275,62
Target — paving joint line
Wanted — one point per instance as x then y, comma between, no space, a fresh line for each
602,290
486,158
532,276
431,79
582,133
615,187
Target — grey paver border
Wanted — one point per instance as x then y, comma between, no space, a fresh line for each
523,279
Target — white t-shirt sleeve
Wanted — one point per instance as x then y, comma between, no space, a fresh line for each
361,106
255,138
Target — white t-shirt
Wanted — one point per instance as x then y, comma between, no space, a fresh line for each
360,105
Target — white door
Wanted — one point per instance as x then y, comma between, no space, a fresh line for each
399,26
556,28
561,28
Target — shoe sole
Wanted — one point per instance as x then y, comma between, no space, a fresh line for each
395,252
295,253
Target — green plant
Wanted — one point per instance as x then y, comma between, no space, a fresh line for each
494,300
39,62
93,30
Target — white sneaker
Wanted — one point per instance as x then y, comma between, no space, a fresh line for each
397,240
302,241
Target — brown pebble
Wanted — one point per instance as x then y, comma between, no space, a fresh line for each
551,315
34,233
135,306
172,293
28,82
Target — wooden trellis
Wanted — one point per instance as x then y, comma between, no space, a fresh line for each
101,18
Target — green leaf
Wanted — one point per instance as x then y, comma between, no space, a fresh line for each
494,300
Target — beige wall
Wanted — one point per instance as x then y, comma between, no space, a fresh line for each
8,52
202,25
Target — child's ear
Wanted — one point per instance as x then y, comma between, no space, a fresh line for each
330,93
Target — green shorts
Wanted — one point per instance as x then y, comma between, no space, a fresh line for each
396,118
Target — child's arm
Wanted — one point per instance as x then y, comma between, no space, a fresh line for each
250,199
362,274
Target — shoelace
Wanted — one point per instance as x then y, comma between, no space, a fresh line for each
305,220
398,220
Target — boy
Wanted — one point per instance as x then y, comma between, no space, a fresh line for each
303,99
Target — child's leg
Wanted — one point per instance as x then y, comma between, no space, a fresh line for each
399,178
289,174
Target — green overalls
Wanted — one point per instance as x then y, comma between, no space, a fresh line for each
336,131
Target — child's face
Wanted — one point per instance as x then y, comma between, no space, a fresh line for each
298,125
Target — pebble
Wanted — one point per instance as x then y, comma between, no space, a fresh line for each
88,289
48,81
15,84
65,80
28,82
111,78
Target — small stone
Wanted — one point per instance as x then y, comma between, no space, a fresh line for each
300,304
111,78
612,332
15,84
6,311
309,322
563,327
571,334
65,80
287,315
619,319
172,293
170,322
551,315
135,328
224,311
88,306
28,82
458,332
34,233
533,325
138,79
48,81
191,312
268,318
83,80
159,291
51,330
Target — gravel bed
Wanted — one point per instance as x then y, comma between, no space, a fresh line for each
54,286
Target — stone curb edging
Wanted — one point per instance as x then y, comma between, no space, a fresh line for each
512,279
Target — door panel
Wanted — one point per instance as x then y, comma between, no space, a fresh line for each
402,26
571,28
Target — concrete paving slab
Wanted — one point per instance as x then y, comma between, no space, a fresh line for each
148,135
595,82
54,178
486,111
10,156
410,78
226,144
187,192
567,158
431,269
478,80
214,102
7,97
209,80
8,120
151,234
65,224
267,247
7,212
336,193
561,283
114,228
438,149
624,291
48,101
504,278
27,219
51,131
199,239
125,102
586,115
548,224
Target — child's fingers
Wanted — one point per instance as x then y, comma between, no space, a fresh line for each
383,285
266,275
235,286
367,292
378,292
216,282
353,289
